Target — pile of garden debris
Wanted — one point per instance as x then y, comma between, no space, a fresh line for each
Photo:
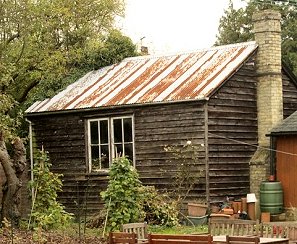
28,237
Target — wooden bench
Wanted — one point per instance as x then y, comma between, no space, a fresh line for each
179,239
242,239
140,229
233,227
287,229
122,237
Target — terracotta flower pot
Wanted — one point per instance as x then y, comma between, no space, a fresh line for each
196,209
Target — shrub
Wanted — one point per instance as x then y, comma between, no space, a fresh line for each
159,209
189,162
47,212
126,200
123,198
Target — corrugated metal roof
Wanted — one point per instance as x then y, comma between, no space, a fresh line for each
151,79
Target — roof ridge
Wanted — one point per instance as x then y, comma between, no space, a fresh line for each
248,43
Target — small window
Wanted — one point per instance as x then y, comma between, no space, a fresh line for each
122,137
109,138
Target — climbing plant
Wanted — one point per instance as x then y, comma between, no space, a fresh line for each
123,197
46,211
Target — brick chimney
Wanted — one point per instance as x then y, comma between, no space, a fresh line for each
267,31
268,63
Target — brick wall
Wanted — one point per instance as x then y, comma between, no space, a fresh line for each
269,90
259,170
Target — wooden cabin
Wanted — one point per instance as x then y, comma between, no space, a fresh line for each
143,104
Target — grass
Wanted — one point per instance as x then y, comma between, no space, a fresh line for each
179,229
74,230
182,229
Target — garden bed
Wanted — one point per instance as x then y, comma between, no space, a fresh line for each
18,236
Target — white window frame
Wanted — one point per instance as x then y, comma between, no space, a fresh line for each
99,142
123,142
111,142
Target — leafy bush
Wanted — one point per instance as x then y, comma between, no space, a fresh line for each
126,200
123,197
159,209
47,212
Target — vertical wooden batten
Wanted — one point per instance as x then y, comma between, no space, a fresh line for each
206,152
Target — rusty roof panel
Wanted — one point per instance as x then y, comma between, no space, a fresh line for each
150,79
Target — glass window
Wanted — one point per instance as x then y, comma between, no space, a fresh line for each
117,130
104,146
104,131
94,132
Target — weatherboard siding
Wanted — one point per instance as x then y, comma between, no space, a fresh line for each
63,136
289,96
232,117
167,125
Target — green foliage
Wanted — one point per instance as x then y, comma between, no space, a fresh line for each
178,229
46,45
126,200
236,26
9,118
159,208
106,50
47,212
123,197
115,48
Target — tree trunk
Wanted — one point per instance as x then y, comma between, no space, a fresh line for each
12,169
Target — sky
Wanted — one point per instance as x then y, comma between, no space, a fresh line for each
173,25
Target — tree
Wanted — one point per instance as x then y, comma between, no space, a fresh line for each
44,46
236,26
48,41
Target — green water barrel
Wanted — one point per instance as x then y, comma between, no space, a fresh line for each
271,197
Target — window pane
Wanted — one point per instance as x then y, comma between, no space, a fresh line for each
103,131
117,130
94,132
95,157
128,130
104,157
129,151
118,150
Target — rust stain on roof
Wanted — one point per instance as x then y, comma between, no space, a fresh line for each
143,80
150,79
120,76
178,71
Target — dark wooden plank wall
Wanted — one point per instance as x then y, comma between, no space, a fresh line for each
289,96
167,125
63,137
286,168
155,127
232,113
